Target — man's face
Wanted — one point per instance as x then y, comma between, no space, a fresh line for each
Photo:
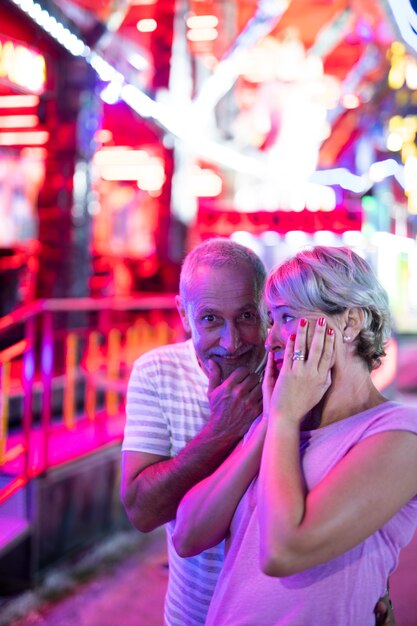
222,315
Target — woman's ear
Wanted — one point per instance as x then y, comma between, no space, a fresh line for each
353,324
183,314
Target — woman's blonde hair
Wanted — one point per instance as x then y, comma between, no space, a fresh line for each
330,280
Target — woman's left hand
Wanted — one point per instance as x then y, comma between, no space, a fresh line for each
303,379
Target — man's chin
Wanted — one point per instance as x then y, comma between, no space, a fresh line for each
228,366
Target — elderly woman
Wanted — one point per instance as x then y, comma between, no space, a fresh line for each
320,497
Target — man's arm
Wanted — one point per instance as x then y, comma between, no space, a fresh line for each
153,486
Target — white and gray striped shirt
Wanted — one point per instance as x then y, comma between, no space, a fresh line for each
167,406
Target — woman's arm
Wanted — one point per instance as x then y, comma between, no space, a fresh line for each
205,513
362,492
357,497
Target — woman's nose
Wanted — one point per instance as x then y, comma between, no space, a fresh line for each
271,342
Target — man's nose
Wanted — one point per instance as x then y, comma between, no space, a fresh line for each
230,338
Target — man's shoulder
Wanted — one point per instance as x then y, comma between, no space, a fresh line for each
169,352
171,359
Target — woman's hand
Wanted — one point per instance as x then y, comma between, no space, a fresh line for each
303,379
268,383
205,513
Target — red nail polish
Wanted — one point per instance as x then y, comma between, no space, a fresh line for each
292,337
330,331
303,322
321,321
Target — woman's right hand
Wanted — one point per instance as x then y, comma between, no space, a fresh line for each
271,374
302,382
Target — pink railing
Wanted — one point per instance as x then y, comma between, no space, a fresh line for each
81,350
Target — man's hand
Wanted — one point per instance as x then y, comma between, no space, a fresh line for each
384,614
235,402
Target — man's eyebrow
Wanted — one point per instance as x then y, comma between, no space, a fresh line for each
207,309
249,305
219,311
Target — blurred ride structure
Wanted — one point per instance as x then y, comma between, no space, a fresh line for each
64,366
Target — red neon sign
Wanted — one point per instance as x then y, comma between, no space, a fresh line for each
22,66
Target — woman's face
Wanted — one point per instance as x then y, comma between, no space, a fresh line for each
284,321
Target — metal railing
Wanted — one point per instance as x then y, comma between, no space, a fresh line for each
64,363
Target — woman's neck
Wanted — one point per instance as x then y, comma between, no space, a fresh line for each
347,396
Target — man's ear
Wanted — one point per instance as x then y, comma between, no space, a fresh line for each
354,320
183,314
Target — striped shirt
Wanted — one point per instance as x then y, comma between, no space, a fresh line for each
167,406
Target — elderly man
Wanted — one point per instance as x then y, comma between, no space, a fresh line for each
189,404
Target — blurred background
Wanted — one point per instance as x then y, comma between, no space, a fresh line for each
131,130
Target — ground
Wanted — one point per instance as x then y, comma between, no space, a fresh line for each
121,582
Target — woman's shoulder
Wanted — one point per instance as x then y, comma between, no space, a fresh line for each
392,415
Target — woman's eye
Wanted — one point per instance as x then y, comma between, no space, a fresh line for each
286,318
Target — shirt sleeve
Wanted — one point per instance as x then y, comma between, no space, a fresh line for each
146,429
394,416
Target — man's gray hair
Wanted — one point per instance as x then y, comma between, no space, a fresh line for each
221,252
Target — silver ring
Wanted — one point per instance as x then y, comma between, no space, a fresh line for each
298,356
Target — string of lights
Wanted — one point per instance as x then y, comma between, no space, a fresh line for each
117,87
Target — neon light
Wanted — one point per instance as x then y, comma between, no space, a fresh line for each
119,172
205,182
111,93
410,173
103,135
18,102
202,21
202,34
411,74
359,184
22,66
14,351
34,153
49,24
138,62
151,176
37,138
70,377
350,101
406,21
394,142
14,486
119,156
380,170
18,121
146,25
146,107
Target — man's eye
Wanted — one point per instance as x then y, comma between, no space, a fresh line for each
208,318
248,316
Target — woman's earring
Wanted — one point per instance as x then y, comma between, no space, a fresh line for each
346,338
